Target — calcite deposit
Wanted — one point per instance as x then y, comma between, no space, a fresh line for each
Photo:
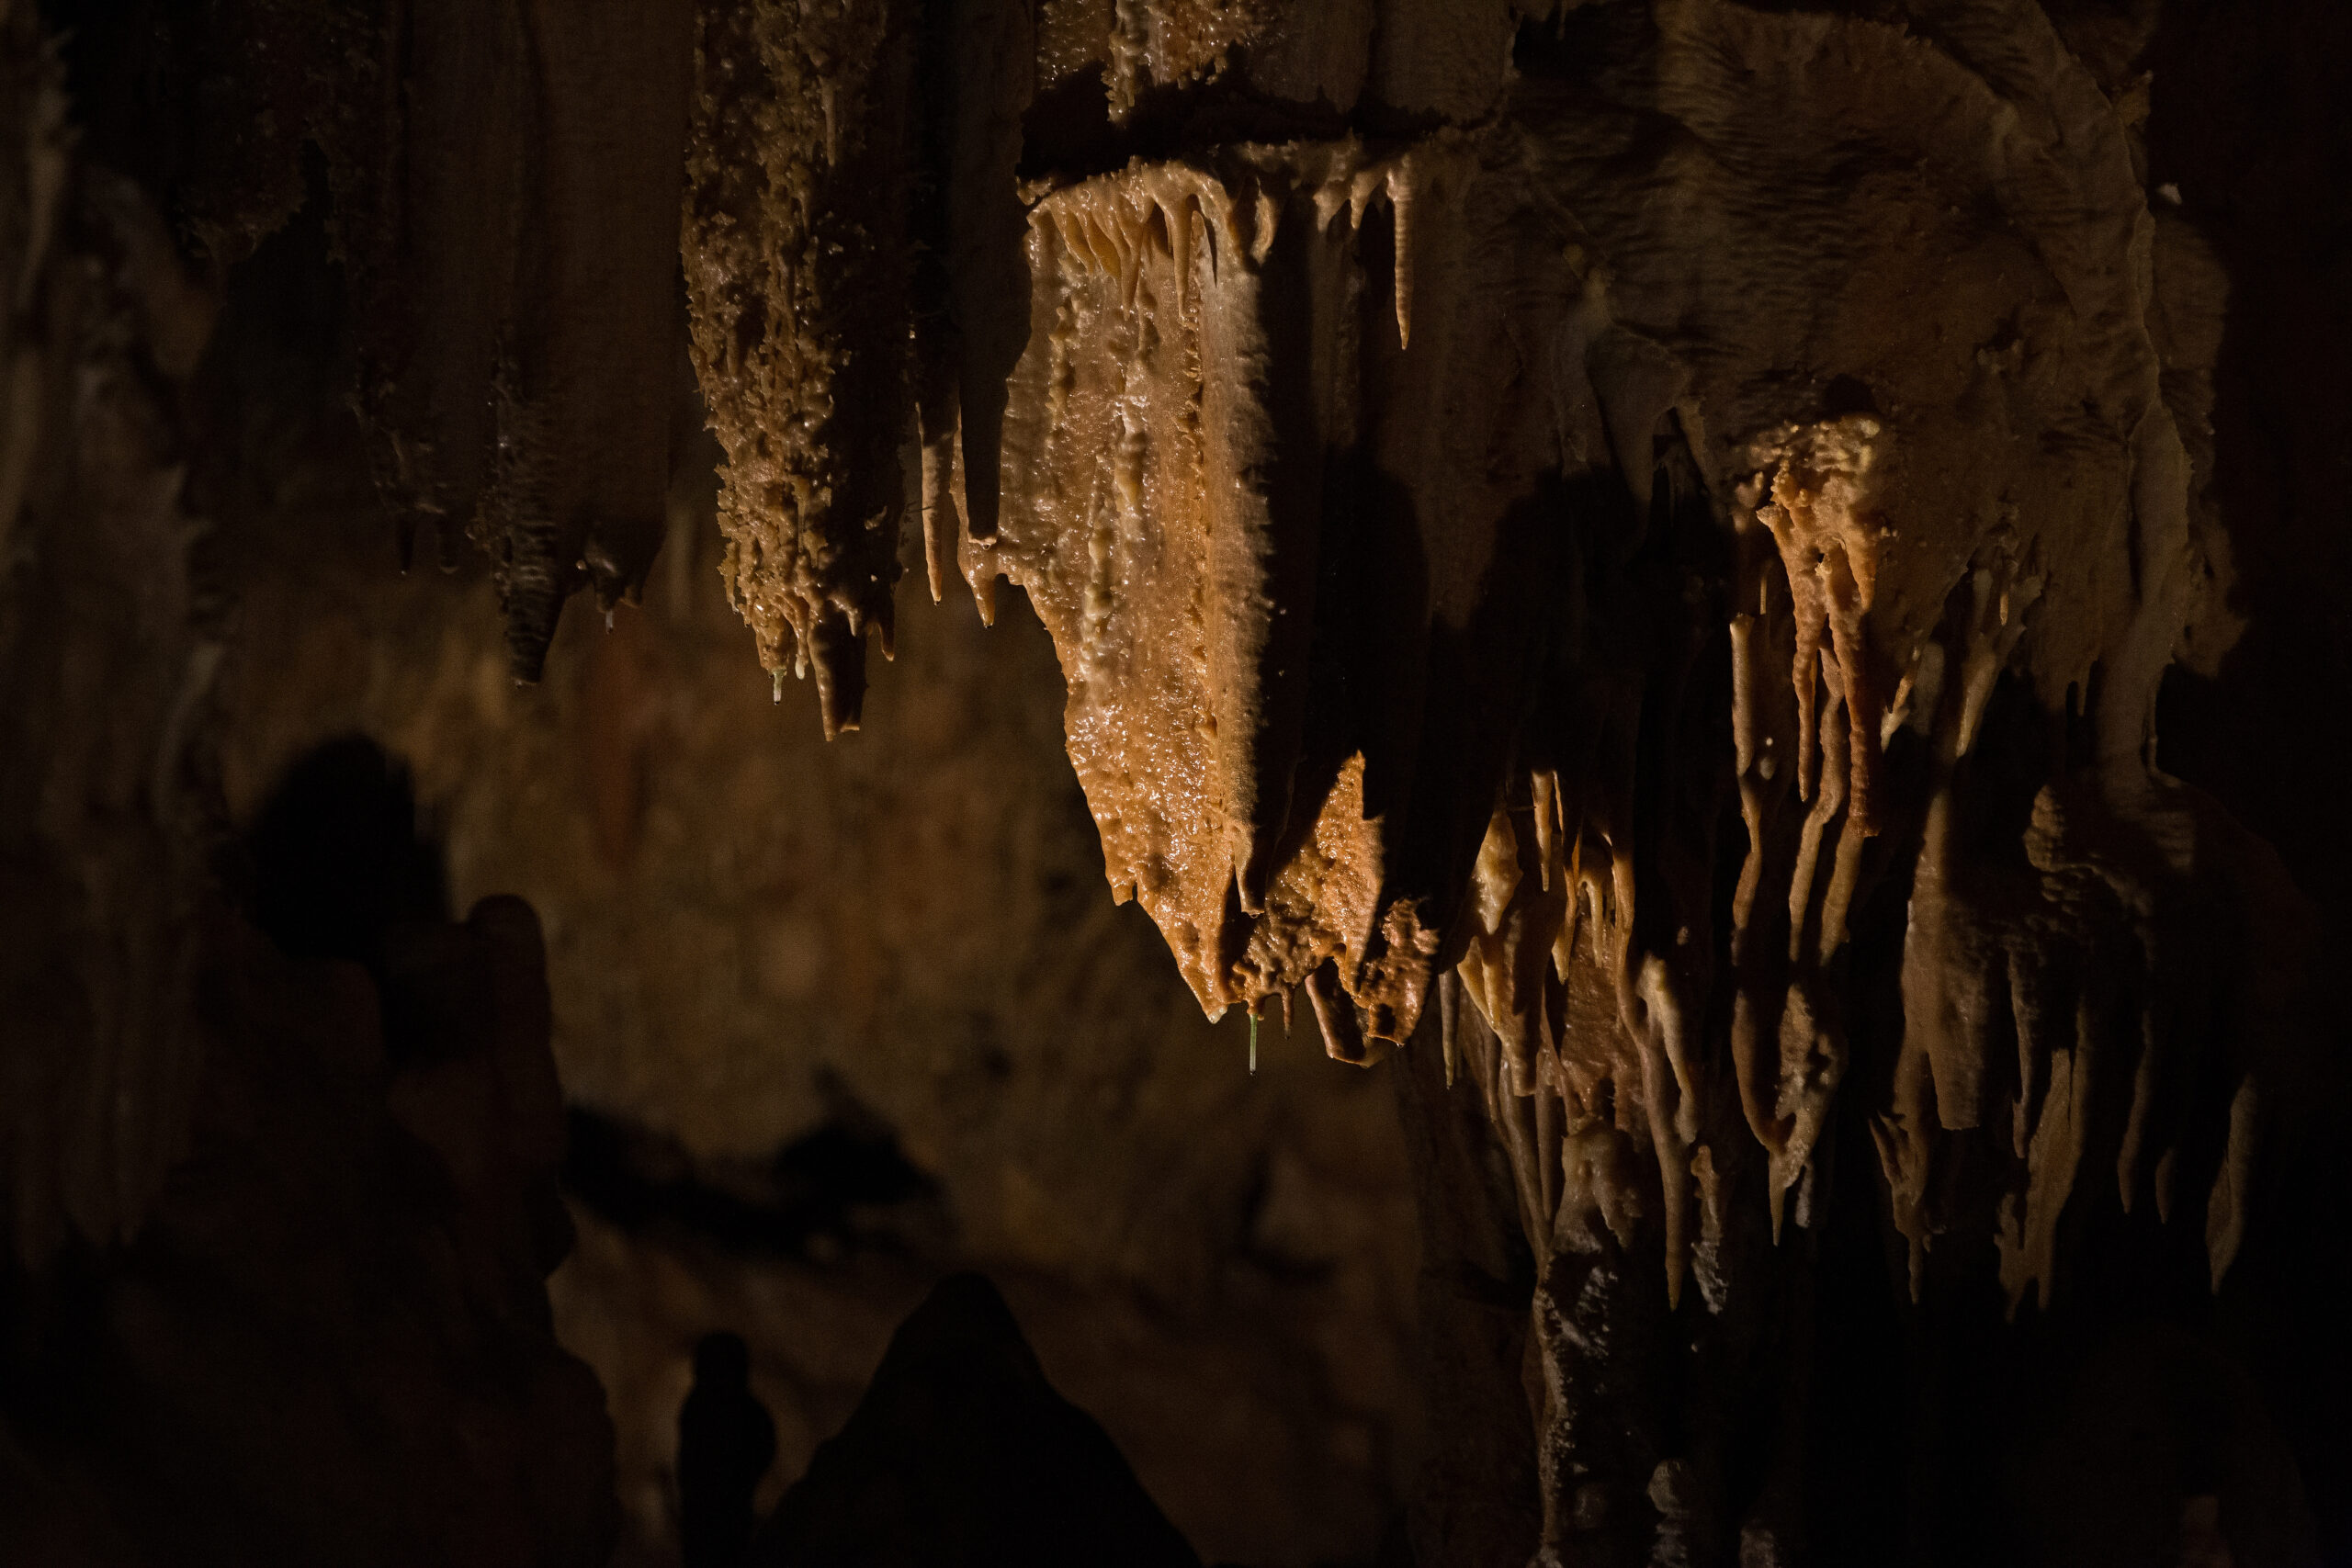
796,263
1708,482
1464,548
1633,545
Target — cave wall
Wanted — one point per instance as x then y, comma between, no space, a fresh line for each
911,953
279,1225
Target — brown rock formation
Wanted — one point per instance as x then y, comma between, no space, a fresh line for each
796,264
1666,522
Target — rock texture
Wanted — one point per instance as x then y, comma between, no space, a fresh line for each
1220,1268
797,260
1635,547
1728,488
507,180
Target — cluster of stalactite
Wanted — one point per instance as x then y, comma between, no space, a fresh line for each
1601,512
1726,491
1466,551
505,182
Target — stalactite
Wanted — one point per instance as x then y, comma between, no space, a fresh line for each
1663,522
506,180
583,370
1329,460
797,268
507,194
1163,498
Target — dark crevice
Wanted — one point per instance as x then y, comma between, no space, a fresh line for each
843,1188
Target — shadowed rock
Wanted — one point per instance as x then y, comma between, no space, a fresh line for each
726,1442
961,1452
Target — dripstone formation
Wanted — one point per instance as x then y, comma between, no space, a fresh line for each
1629,550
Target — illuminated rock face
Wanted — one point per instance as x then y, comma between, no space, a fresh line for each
1465,549
1593,556
796,248
1663,522
1707,484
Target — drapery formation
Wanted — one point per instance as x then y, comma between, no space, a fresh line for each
1593,550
